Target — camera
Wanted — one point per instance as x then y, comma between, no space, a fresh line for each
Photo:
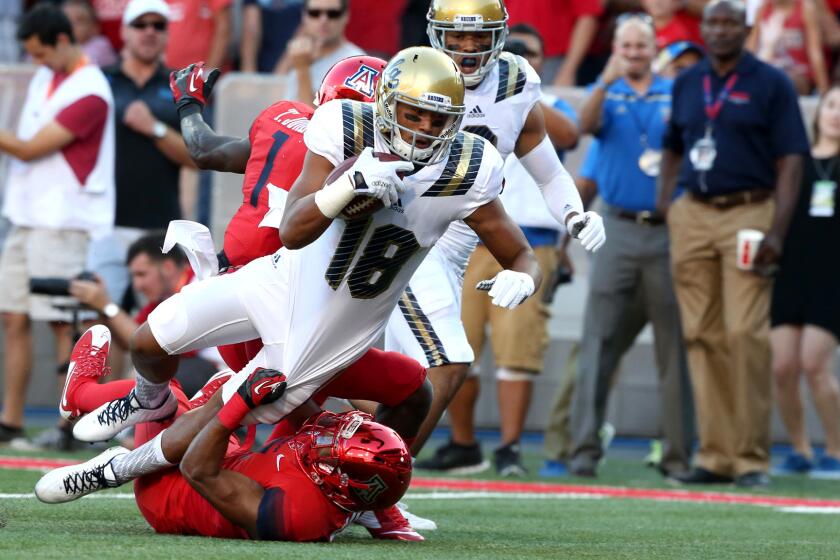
56,286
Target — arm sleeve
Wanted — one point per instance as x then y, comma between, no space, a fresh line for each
84,117
323,135
787,134
558,188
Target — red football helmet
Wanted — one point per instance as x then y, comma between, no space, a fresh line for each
359,464
351,78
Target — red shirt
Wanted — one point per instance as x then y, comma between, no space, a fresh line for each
191,29
85,119
109,14
554,19
682,27
277,153
375,26
293,508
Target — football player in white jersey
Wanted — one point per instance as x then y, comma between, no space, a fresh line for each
502,105
321,302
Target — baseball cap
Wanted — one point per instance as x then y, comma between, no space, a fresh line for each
673,51
137,8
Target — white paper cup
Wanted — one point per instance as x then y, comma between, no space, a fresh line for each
748,242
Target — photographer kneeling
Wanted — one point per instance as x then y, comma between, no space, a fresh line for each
155,276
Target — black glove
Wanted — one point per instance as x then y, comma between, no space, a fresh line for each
191,87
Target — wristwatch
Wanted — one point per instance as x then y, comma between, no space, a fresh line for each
111,310
159,130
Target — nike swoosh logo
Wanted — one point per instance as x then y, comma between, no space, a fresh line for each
67,384
266,385
279,458
193,89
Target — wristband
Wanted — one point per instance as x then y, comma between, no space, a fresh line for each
231,414
332,198
187,108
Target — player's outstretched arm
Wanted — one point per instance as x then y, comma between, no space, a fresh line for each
303,220
233,494
506,242
191,88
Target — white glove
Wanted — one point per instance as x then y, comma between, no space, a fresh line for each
588,228
509,288
380,177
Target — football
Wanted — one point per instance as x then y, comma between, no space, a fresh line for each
362,205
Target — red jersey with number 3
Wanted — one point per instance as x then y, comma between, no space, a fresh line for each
293,508
277,153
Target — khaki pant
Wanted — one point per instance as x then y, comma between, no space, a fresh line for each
725,318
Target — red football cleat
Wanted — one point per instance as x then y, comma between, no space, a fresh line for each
213,384
388,524
87,364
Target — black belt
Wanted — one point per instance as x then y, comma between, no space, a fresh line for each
730,200
645,217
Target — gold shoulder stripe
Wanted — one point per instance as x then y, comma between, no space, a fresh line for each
511,77
461,169
357,127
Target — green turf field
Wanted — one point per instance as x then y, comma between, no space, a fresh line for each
486,528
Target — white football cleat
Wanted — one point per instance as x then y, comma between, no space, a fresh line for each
113,417
66,484
388,524
417,523
88,362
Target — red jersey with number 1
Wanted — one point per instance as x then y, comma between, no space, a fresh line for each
277,153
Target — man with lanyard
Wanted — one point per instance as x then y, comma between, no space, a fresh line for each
738,122
627,110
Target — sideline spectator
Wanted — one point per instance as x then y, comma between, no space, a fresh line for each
267,26
672,23
109,14
86,32
627,111
805,310
319,44
376,26
198,30
156,276
60,193
737,120
519,337
149,147
567,27
787,35
676,57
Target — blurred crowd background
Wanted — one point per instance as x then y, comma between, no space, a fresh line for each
598,60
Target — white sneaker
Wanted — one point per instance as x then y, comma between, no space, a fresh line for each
71,483
417,523
113,417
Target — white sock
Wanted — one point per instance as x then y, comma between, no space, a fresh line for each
146,459
150,395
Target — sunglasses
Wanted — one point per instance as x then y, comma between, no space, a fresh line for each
315,13
157,25
638,16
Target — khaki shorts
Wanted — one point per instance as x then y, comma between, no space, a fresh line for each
519,336
39,253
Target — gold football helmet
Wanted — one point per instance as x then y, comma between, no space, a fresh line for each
469,16
427,79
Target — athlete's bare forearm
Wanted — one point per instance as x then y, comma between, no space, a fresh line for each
213,151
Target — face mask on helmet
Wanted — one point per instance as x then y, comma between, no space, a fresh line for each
359,464
443,20
351,78
435,144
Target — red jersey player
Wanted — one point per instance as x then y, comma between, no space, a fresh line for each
305,487
271,157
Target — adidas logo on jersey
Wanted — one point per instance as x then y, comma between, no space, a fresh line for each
398,207
476,112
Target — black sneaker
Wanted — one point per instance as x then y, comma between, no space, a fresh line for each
754,479
9,434
508,460
699,475
454,458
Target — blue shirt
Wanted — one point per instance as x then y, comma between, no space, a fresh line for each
589,167
568,111
758,123
626,117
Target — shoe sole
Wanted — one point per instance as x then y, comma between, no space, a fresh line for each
68,414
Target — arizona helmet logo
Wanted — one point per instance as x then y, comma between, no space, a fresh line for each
375,487
363,80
